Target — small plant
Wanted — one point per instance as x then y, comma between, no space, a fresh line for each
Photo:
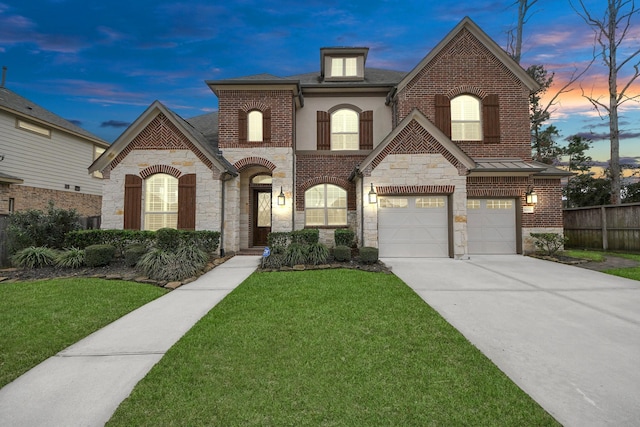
368,255
317,253
153,262
34,257
296,254
342,253
70,258
99,255
344,237
549,243
133,253
168,239
274,261
162,265
279,239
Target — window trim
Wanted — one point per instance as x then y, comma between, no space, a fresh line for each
326,208
478,124
33,128
356,132
258,121
145,205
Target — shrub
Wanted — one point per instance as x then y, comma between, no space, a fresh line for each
368,255
118,238
162,265
206,240
307,236
278,239
37,229
153,262
274,260
295,254
168,239
317,253
133,253
549,243
99,255
34,257
342,253
70,258
344,237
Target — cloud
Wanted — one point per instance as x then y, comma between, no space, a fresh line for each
114,124
75,122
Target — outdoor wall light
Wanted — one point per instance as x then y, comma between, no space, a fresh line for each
281,198
373,197
532,197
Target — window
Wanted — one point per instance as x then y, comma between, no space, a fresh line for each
395,203
325,204
465,118
344,67
344,130
161,202
473,204
31,127
430,202
12,204
499,204
254,131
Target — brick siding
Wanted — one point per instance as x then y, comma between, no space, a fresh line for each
38,198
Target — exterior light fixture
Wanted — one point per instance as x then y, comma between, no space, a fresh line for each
373,196
532,197
281,198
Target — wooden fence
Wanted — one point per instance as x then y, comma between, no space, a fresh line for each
615,228
91,222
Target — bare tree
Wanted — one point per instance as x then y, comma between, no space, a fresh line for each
515,41
610,32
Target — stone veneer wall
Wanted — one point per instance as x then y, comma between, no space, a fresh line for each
26,197
408,172
207,185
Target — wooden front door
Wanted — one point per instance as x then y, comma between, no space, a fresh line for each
261,216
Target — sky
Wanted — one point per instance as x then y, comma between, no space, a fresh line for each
100,64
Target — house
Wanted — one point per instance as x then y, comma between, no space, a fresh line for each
43,158
435,162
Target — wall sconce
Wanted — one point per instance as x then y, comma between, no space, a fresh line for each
373,196
532,197
281,198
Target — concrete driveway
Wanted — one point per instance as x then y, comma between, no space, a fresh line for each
568,336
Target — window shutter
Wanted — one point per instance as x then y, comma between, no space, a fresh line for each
324,130
366,130
491,119
443,114
187,202
132,202
266,125
242,126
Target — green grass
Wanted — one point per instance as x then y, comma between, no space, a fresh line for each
326,348
584,254
630,273
39,319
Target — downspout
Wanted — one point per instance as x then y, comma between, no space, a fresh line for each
361,209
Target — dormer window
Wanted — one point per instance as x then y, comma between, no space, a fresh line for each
343,63
344,67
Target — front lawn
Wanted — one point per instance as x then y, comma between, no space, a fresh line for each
41,318
632,273
332,348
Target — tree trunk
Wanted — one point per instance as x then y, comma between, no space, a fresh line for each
613,106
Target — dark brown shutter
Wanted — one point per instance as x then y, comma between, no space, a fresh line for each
366,130
242,126
266,125
187,202
324,130
491,118
443,114
132,202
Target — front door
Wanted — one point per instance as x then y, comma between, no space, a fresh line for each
261,216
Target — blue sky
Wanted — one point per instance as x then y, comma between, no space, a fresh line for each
100,64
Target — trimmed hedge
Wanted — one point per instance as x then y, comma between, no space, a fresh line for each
344,237
342,253
98,255
306,236
369,255
133,253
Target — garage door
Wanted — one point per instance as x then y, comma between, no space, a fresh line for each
491,226
415,226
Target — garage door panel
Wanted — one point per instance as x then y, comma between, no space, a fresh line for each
491,226
413,227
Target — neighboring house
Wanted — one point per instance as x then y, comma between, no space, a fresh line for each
43,158
444,150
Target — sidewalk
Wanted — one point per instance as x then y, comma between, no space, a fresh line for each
84,384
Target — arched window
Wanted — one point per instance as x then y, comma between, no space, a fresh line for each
254,126
465,118
160,202
325,205
344,130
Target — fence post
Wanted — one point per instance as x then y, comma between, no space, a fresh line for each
605,237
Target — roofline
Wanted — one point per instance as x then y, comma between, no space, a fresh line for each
487,41
96,140
11,180
248,84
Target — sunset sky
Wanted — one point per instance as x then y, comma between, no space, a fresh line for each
100,64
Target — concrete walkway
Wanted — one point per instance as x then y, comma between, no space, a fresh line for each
568,336
84,384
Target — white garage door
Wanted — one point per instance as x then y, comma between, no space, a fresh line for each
413,226
491,226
